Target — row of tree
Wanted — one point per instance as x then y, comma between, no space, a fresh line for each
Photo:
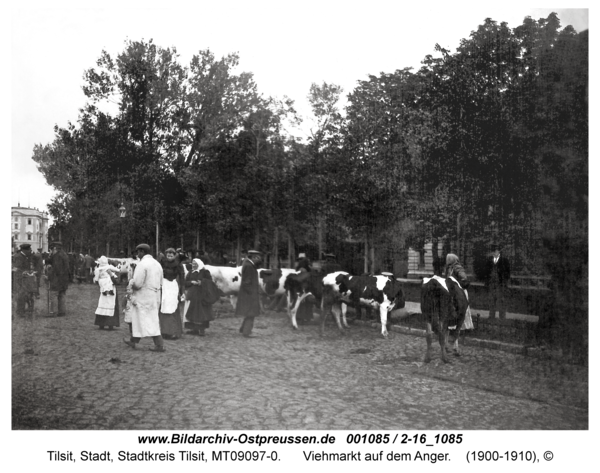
486,144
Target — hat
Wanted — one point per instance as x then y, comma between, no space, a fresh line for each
170,250
254,252
56,243
329,255
144,247
388,274
25,246
302,255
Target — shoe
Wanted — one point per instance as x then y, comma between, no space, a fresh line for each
129,343
201,333
160,349
101,327
193,332
248,336
61,315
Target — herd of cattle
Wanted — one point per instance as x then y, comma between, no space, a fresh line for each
443,302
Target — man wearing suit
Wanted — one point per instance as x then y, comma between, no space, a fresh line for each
248,303
497,279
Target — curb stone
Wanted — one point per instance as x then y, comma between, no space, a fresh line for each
467,341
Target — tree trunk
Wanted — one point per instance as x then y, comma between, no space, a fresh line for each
290,250
366,265
256,238
320,236
239,251
275,248
372,269
157,236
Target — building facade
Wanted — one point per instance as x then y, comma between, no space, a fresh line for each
29,225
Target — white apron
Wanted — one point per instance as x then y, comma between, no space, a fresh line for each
170,296
144,313
106,305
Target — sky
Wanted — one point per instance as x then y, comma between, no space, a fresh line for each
287,46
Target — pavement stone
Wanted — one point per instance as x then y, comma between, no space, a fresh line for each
68,375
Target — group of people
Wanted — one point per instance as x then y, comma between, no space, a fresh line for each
29,267
161,299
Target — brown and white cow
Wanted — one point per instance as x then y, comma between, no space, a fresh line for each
444,304
378,292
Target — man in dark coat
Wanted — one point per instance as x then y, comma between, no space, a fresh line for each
330,265
496,280
37,260
248,303
59,276
22,264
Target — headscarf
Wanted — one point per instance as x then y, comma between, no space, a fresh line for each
200,264
451,259
102,261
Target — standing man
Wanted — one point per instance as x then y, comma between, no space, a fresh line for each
59,276
248,304
21,264
330,265
88,265
497,279
146,287
38,266
303,263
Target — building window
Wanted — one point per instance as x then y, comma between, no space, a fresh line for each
29,236
28,221
16,226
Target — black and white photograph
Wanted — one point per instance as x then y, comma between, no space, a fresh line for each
298,234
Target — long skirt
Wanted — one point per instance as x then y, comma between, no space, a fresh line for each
106,305
170,323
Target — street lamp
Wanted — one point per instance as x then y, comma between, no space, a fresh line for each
122,214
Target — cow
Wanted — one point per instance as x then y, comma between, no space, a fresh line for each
228,280
271,282
374,291
304,289
444,304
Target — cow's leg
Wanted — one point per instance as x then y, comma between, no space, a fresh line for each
383,313
336,309
443,337
343,310
293,310
429,338
233,300
455,344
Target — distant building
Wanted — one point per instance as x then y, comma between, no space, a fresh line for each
29,226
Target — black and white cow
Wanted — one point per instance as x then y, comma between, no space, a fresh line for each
271,283
378,292
227,280
304,290
444,304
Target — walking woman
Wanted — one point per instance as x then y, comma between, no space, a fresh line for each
200,294
107,313
172,289
455,269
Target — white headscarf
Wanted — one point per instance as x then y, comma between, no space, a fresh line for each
200,264
102,261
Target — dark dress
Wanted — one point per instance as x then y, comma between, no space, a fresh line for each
199,314
171,324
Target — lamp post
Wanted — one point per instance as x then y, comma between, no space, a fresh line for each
122,214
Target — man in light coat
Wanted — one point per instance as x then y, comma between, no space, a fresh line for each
146,285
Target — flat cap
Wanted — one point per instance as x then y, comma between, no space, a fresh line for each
25,246
144,247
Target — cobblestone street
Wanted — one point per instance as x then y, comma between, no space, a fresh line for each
67,374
